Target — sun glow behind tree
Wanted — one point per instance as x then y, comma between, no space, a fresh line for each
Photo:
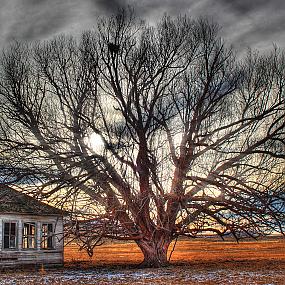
96,143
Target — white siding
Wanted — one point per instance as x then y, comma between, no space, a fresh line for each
19,256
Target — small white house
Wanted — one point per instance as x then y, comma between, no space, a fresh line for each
31,232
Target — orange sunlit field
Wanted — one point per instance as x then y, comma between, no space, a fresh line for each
206,262
186,252
201,262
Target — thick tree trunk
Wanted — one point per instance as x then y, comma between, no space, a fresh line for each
155,252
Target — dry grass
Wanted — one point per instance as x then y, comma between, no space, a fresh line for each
208,262
186,252
193,262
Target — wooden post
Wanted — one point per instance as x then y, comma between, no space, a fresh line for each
20,234
38,235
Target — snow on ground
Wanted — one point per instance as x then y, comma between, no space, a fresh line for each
172,275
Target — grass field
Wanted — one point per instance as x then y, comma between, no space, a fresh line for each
192,262
186,251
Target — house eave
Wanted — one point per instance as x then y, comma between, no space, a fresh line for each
31,214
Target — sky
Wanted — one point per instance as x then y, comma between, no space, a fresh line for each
244,23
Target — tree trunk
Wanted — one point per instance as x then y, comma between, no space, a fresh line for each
155,252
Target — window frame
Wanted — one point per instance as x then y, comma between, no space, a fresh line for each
47,236
16,235
29,236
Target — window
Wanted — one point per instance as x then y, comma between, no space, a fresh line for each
47,236
10,234
29,235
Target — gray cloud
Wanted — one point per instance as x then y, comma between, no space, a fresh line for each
255,23
109,6
35,19
149,8
244,7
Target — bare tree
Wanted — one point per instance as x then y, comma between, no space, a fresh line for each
190,140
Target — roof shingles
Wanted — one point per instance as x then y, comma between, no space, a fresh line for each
12,201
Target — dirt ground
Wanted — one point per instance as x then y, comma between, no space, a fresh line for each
192,262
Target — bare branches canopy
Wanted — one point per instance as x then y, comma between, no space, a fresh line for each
151,132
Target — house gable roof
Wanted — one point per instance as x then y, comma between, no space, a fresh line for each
12,201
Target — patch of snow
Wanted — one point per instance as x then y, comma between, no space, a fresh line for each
176,275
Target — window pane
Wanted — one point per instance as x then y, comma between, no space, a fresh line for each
49,242
25,230
32,229
6,241
31,242
29,235
25,242
44,229
6,229
12,241
10,235
50,230
13,229
47,236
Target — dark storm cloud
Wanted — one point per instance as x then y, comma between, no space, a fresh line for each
261,33
35,19
244,7
109,6
149,9
255,23
152,7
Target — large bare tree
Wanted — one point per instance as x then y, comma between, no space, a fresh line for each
147,133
